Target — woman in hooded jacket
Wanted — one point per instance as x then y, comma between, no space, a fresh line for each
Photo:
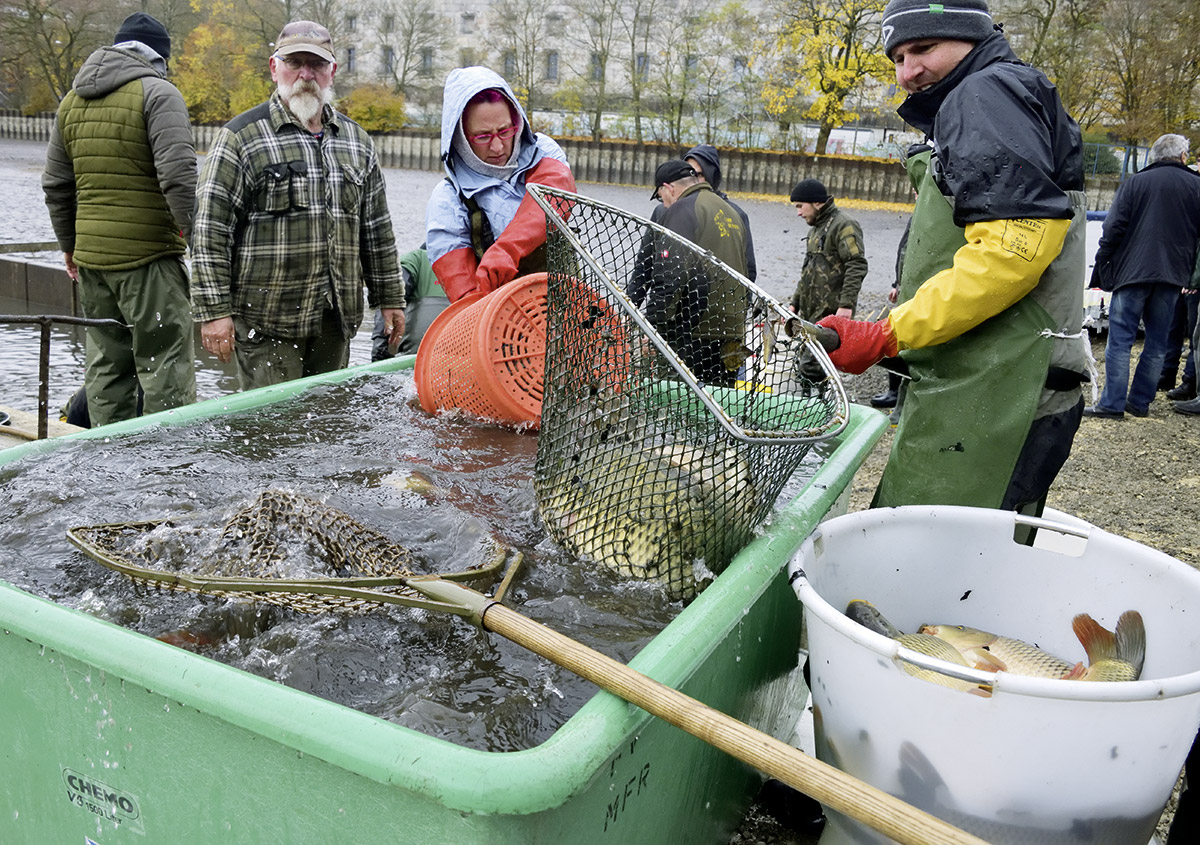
482,230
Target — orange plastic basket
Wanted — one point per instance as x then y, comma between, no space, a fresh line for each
485,354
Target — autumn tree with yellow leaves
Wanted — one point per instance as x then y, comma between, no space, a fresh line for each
822,54
222,69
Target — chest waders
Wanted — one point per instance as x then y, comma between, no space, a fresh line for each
971,400
482,239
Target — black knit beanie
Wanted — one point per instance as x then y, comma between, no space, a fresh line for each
959,20
142,27
810,190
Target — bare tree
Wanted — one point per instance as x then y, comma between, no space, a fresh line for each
595,38
518,32
1153,66
676,86
414,32
47,41
641,24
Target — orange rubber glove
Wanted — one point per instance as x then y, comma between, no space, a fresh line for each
860,344
455,272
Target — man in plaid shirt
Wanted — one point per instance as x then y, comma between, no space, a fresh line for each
291,221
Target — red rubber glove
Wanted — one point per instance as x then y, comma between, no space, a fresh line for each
527,230
455,272
861,344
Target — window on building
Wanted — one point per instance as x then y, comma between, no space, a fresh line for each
350,60
466,57
352,22
691,62
389,60
740,65
552,65
426,61
467,23
597,68
554,25
389,23
510,64
643,65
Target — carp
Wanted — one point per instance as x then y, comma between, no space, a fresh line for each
867,615
1112,655
995,653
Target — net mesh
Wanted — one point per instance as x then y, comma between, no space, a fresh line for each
284,549
675,405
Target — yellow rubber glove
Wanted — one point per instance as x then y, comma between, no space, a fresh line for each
1001,262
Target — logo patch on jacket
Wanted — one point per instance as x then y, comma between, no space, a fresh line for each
1023,237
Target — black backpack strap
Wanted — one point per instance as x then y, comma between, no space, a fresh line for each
481,229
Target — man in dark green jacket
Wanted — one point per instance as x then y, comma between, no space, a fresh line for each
835,262
120,183
700,313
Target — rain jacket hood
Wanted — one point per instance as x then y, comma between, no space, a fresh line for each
710,163
108,68
461,85
991,95
919,109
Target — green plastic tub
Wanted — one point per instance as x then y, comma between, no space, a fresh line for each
111,736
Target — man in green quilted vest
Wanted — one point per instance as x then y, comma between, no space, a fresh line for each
120,183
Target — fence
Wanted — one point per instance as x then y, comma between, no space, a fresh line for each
630,163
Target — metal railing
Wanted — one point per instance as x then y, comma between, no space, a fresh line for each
45,321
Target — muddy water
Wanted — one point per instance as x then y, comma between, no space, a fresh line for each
441,486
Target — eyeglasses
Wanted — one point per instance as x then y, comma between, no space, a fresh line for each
485,138
315,65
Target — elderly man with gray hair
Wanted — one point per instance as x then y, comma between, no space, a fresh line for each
1146,256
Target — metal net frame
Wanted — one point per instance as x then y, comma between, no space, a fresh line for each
284,549
679,397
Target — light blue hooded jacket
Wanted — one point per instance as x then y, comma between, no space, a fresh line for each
447,223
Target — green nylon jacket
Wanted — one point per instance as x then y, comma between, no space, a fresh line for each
120,176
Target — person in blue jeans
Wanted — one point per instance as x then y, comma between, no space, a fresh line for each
1153,304
1145,258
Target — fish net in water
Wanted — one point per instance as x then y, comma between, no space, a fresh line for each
677,403
284,549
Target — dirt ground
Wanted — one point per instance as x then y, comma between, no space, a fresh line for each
1138,478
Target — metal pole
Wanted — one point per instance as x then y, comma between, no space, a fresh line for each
45,321
44,382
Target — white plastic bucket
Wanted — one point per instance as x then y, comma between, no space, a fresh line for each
1041,760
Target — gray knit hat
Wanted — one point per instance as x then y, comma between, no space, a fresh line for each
960,20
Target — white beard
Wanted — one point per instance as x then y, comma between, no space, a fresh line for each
304,99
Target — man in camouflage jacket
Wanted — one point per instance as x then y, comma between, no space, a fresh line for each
835,264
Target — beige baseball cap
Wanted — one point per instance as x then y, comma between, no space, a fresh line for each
305,37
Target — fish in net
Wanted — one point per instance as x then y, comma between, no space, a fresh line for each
679,397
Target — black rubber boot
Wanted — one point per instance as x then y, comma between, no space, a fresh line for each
791,808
